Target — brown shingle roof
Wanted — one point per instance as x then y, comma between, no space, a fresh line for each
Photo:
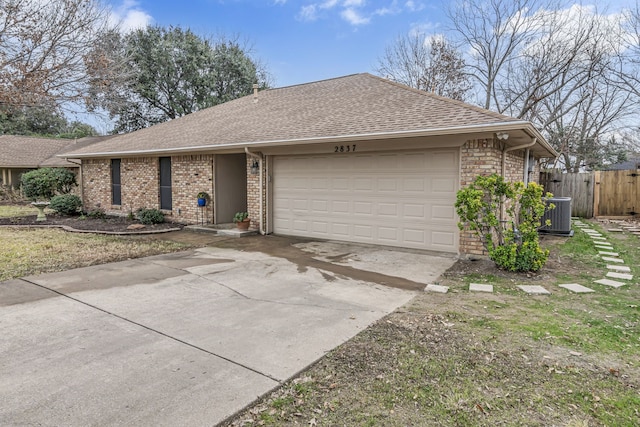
18,151
359,104
30,152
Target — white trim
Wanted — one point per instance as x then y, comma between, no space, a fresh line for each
456,130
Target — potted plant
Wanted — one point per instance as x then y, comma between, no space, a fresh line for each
203,198
242,220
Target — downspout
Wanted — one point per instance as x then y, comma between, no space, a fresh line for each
260,187
526,167
517,147
504,164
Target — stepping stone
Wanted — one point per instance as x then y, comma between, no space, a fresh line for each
619,268
589,230
603,246
606,258
437,288
608,282
598,237
479,287
534,290
594,235
608,253
615,230
622,276
578,289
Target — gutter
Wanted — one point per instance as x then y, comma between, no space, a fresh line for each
260,159
525,126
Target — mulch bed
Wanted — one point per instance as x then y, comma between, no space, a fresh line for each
110,225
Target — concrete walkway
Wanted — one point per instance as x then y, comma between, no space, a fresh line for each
181,339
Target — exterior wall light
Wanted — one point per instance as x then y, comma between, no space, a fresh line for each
254,167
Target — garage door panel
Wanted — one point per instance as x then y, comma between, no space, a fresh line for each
443,212
387,209
387,184
413,211
442,238
393,199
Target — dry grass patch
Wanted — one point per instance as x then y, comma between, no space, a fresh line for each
474,359
26,251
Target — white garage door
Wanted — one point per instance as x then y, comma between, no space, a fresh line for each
403,199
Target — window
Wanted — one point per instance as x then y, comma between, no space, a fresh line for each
116,187
165,183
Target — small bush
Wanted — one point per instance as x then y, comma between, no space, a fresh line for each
506,217
66,204
150,216
97,213
43,184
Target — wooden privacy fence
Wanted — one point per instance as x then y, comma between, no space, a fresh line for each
600,193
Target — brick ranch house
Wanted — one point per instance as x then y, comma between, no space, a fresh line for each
356,158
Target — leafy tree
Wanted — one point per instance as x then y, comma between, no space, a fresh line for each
512,239
42,48
427,63
43,120
158,74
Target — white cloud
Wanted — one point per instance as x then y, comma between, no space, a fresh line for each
413,6
356,12
280,1
129,16
308,13
353,17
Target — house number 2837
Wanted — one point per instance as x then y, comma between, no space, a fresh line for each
344,148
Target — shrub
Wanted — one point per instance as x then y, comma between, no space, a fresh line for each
97,213
150,216
43,184
66,204
511,239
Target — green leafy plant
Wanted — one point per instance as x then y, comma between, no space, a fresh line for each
150,216
204,195
43,184
66,204
97,213
240,216
506,217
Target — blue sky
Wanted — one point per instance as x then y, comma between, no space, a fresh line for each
299,41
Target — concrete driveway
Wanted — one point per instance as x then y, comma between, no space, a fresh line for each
189,338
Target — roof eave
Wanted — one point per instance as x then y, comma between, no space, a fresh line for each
456,130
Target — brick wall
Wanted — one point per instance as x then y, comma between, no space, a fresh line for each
96,184
515,166
253,194
140,186
189,176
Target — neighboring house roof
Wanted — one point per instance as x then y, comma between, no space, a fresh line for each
359,106
18,151
631,164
